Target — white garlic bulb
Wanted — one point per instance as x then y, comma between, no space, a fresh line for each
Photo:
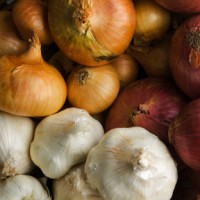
16,135
63,140
73,186
23,187
131,163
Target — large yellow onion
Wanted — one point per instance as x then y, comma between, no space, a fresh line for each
28,85
92,32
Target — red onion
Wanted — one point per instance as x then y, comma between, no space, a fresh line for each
151,103
184,134
181,6
184,56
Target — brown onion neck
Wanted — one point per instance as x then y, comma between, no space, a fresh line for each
81,15
193,40
82,76
33,55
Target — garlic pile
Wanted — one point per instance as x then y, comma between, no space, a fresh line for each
131,163
23,187
63,140
74,186
16,135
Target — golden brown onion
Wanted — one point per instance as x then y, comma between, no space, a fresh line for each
92,32
10,40
93,88
32,16
28,85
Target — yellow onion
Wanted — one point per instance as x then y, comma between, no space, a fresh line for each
28,85
127,69
92,32
93,88
31,16
10,40
152,22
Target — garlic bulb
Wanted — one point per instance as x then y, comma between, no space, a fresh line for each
131,163
63,140
23,187
16,135
73,186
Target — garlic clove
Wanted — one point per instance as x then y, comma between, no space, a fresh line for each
63,140
131,163
21,187
73,185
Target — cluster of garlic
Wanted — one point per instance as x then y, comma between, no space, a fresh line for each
71,148
16,135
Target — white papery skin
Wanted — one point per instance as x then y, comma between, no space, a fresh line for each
16,135
63,140
22,187
131,163
73,186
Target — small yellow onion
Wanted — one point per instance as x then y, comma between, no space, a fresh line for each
10,40
92,32
152,22
31,16
127,69
28,85
93,88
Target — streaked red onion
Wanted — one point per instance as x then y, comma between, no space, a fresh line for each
151,103
181,6
184,134
184,56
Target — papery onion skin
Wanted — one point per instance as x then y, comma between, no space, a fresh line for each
10,40
31,16
151,103
184,56
184,134
127,69
92,32
180,6
152,22
93,88
29,86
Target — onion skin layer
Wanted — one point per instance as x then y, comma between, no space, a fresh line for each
184,56
181,6
184,134
151,103
92,32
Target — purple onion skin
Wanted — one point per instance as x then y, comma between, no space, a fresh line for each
184,67
151,103
184,134
181,6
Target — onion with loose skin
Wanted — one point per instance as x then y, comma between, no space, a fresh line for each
31,16
184,56
93,88
180,6
10,40
92,32
154,59
28,85
151,103
152,22
184,134
127,69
